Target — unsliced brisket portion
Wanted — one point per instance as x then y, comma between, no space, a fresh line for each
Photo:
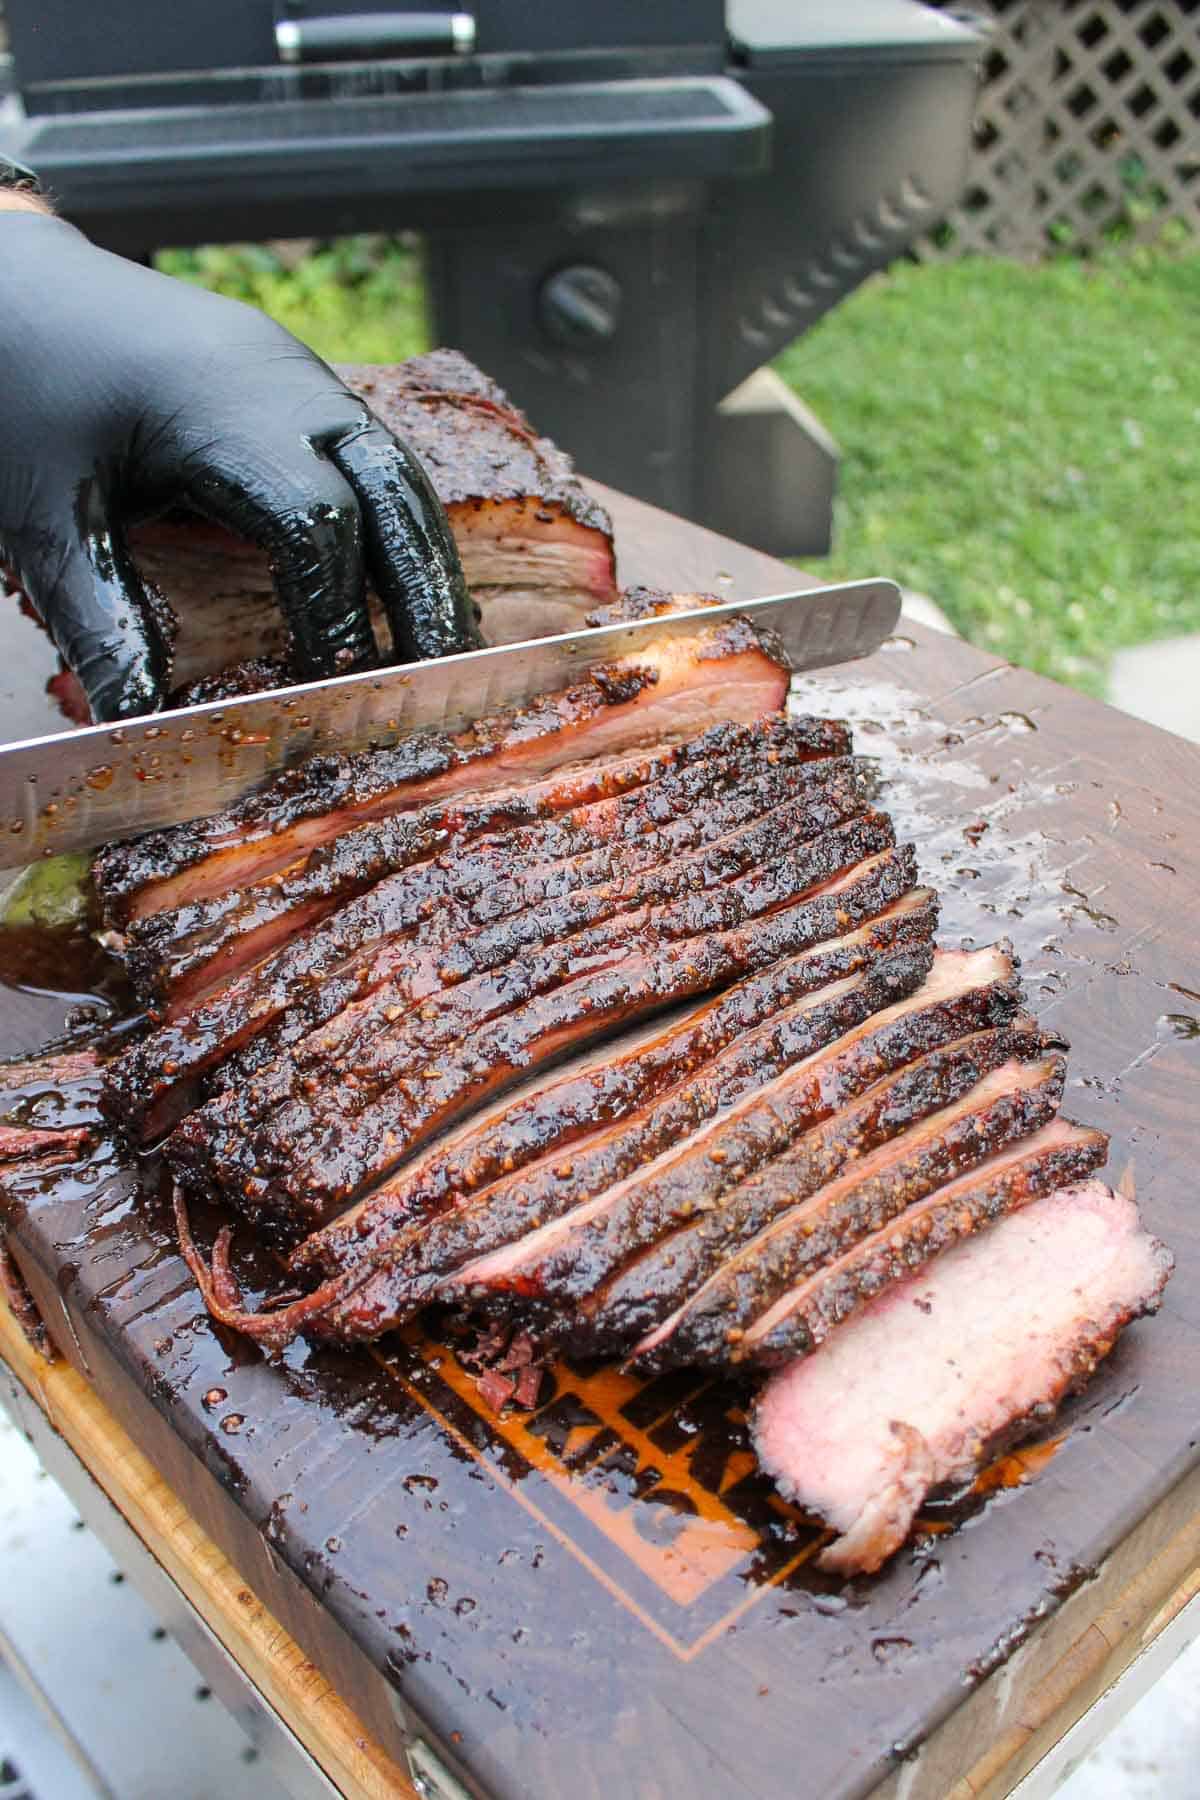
671,690
351,1151
711,1325
536,549
697,1205
800,1320
909,1394
607,1088
180,951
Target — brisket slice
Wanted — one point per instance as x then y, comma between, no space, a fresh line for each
965,995
536,549
709,1325
312,1111
18,1143
800,1320
47,1074
422,998
440,920
699,1200
508,1219
170,954
910,1393
173,954
390,1255
352,1151
503,870
667,691
608,1086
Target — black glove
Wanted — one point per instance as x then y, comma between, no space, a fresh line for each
123,392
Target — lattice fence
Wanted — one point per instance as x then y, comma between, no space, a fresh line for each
1088,119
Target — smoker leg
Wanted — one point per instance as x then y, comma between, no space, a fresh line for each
771,477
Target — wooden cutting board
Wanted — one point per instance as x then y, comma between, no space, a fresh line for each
604,1597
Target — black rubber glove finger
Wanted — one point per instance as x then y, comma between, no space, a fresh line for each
301,511
411,552
91,599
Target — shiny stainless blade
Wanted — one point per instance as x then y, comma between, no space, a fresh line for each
82,788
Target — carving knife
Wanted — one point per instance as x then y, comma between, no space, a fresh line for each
78,789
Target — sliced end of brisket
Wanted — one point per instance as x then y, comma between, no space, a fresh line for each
910,1393
1054,1156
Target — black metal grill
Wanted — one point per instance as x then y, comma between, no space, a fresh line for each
629,207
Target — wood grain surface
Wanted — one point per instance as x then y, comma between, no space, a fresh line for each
278,1668
565,1611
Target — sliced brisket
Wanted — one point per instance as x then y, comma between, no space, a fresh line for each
992,1335
619,1267
669,691
607,1087
181,951
839,1158
964,995
422,997
304,1181
387,1256
1058,1155
18,1143
713,1324
492,1245
468,910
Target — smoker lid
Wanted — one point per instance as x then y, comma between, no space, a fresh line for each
768,33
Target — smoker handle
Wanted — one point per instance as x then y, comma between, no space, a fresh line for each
355,37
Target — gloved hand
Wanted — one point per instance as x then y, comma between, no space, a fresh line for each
123,392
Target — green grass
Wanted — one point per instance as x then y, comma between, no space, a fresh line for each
1021,444
357,300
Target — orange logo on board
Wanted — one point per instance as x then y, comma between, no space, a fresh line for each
653,1484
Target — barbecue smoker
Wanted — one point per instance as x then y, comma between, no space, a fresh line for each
630,206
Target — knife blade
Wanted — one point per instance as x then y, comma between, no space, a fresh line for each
77,789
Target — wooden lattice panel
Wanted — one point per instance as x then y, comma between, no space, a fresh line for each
1088,118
